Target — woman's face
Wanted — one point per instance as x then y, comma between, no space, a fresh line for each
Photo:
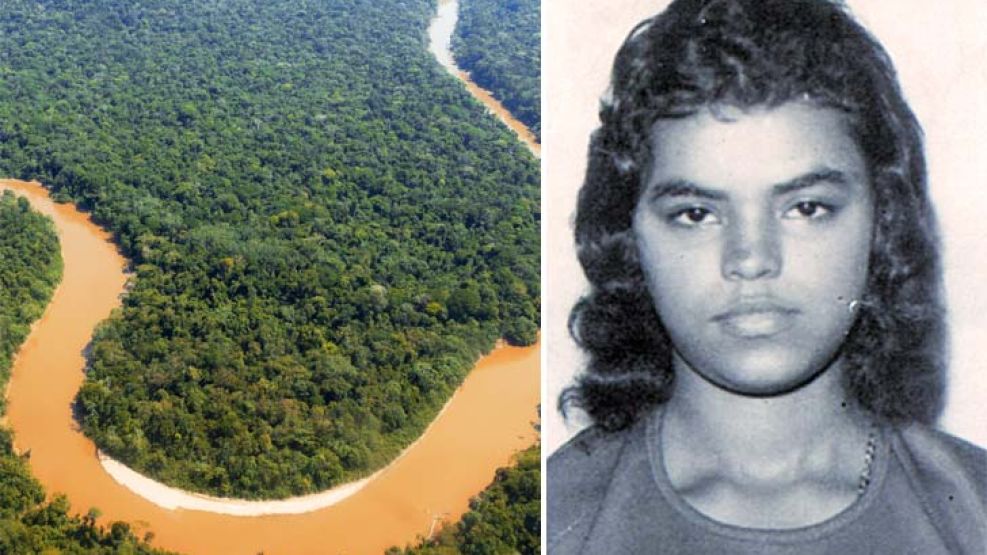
754,232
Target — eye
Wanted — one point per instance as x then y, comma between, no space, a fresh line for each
808,210
694,216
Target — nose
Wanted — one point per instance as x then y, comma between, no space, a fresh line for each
752,251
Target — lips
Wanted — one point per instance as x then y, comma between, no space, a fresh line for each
754,319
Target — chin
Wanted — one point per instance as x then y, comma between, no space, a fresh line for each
766,374
761,388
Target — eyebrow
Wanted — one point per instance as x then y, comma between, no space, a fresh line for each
686,188
812,178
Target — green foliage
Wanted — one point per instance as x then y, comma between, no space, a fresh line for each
312,208
499,43
30,267
504,518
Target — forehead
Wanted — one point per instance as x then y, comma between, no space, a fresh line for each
745,149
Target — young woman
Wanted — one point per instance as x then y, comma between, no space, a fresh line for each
765,323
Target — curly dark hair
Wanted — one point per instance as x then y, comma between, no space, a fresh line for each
748,53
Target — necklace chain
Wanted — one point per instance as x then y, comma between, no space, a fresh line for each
865,474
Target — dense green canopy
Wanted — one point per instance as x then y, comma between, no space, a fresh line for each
325,229
498,42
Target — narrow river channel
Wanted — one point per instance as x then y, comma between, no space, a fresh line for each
439,44
487,420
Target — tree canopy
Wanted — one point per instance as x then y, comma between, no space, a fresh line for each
326,230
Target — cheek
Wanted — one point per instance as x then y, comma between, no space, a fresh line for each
835,265
679,277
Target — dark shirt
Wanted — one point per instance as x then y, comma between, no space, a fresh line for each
609,493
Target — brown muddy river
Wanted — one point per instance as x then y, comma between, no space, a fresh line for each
488,419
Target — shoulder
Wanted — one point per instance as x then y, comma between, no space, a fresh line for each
940,454
578,475
950,476
588,454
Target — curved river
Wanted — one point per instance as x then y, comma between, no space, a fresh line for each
486,421
439,40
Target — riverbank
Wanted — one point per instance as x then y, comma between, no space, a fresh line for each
172,498
440,45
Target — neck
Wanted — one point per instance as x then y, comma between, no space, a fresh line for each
798,431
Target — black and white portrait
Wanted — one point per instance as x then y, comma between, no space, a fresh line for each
776,207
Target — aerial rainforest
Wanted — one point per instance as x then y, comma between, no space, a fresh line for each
325,229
